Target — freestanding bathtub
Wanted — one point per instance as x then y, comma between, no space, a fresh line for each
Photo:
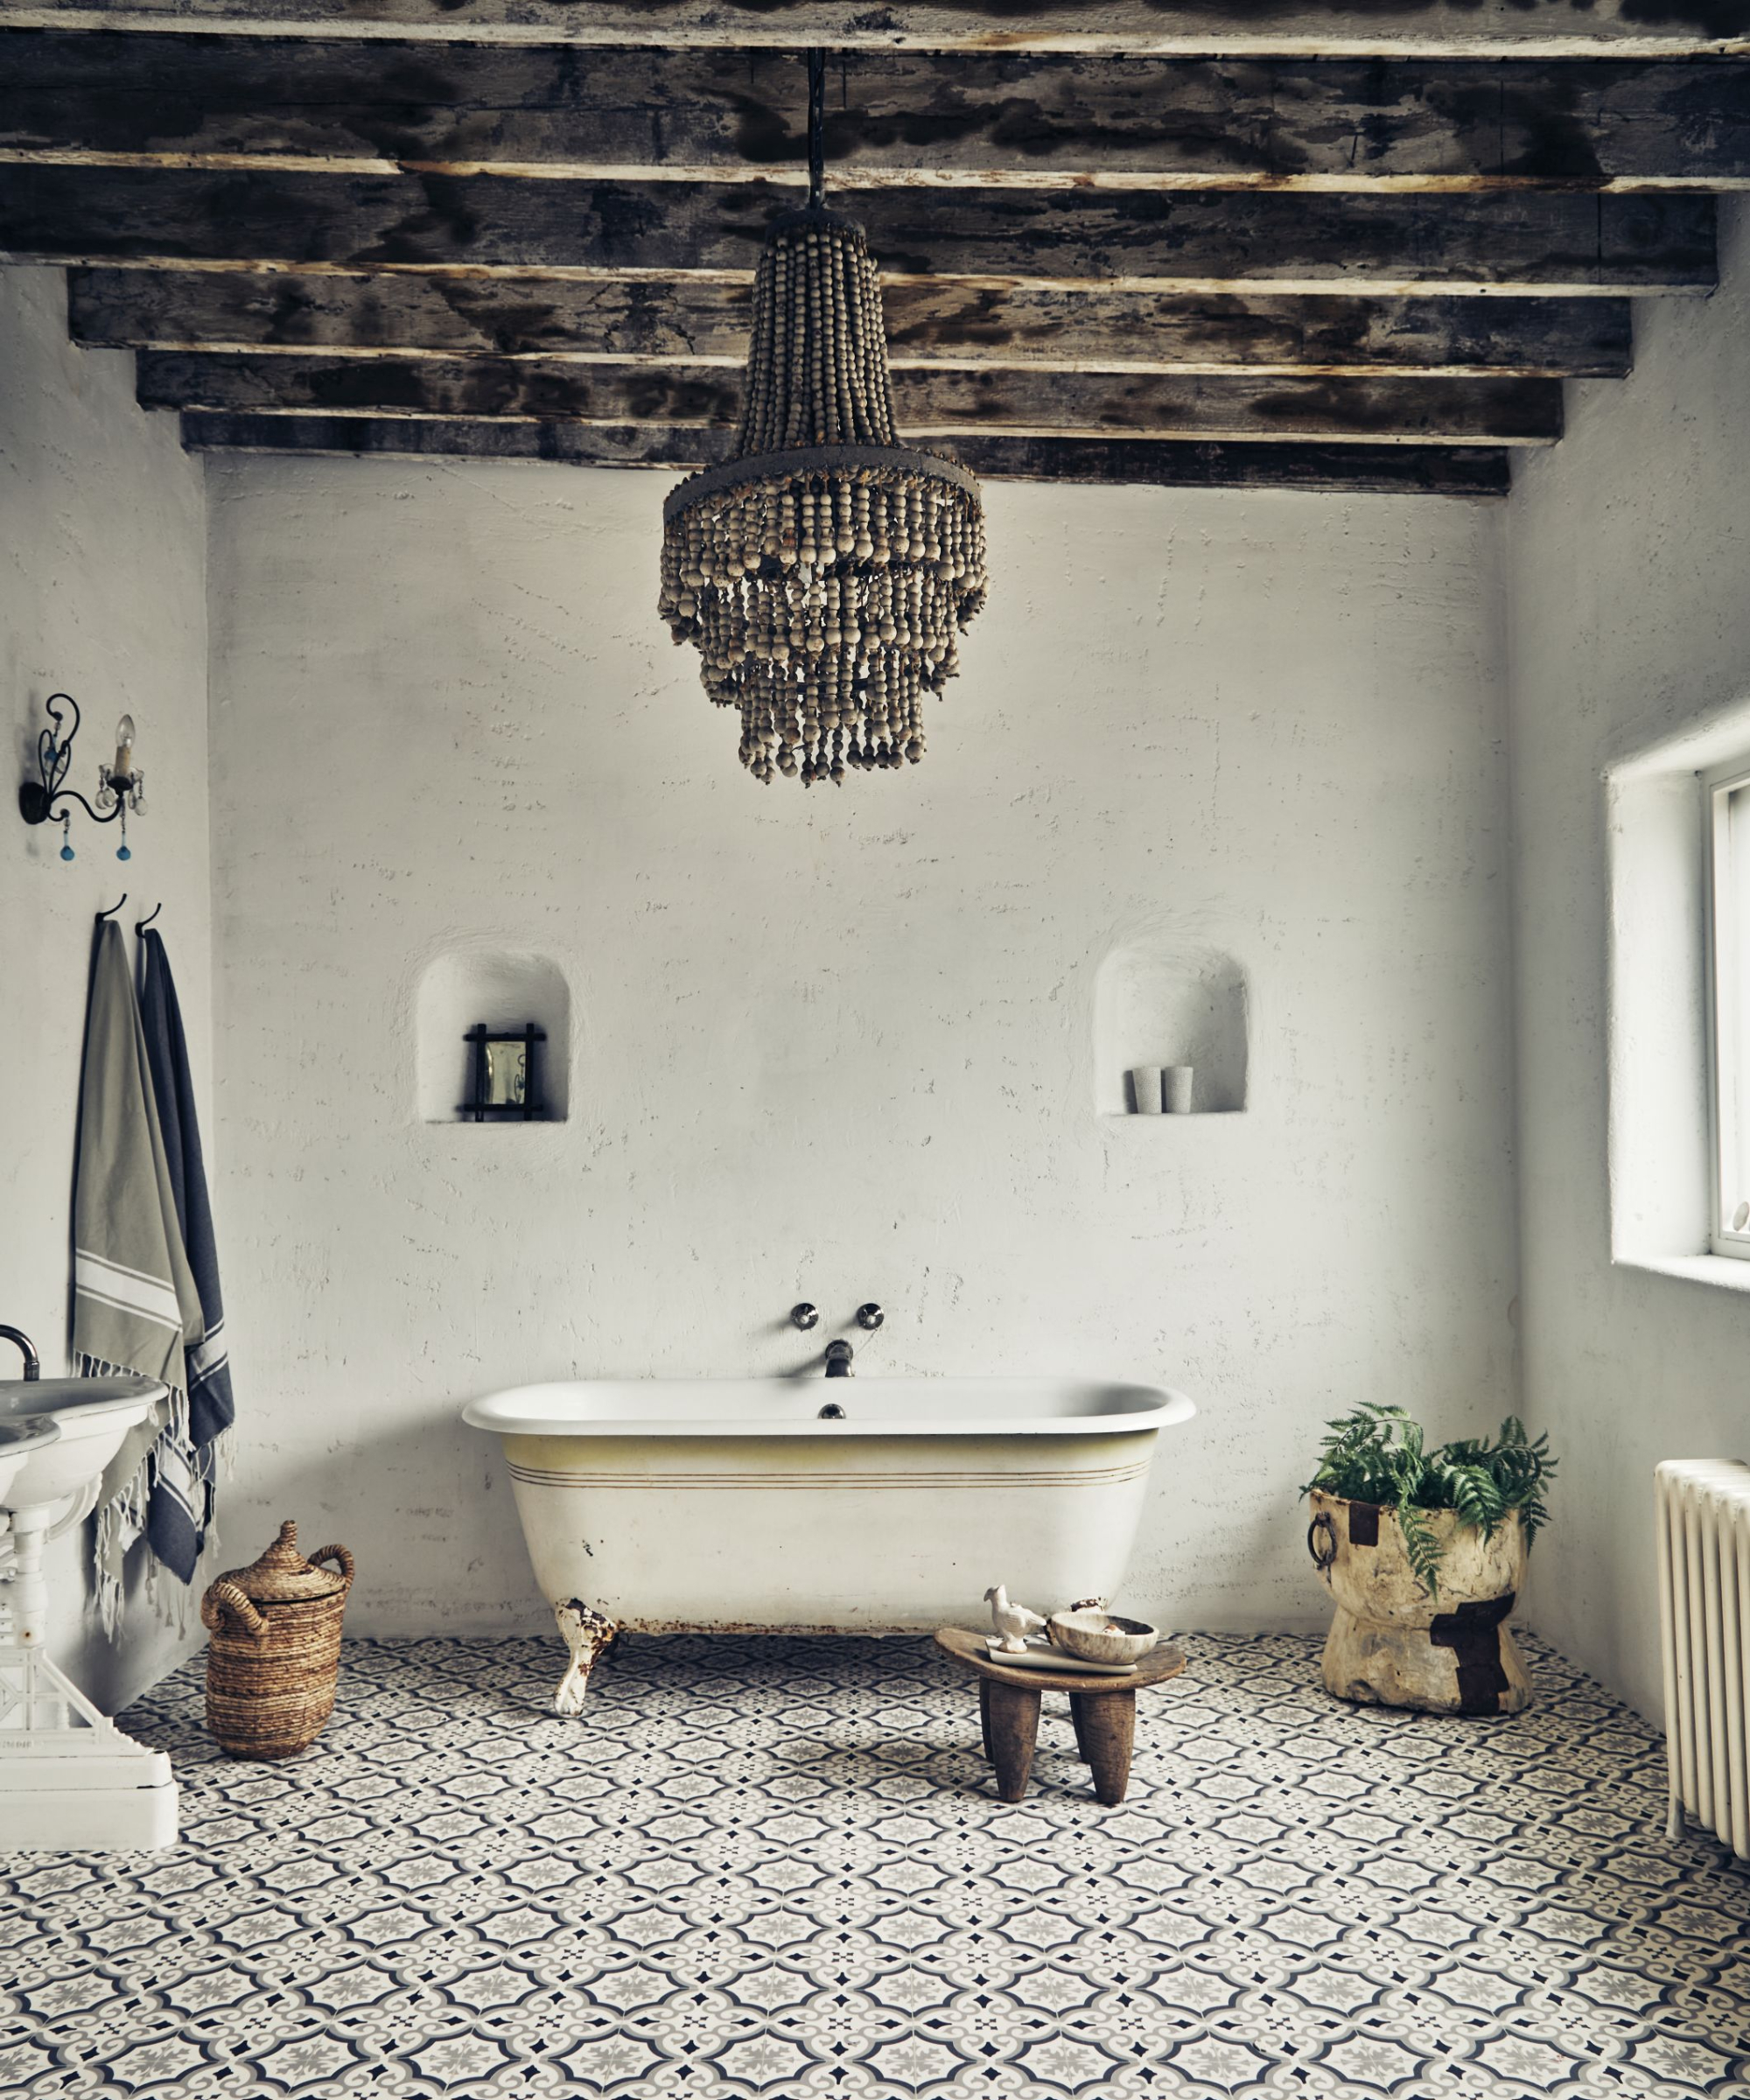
720,1504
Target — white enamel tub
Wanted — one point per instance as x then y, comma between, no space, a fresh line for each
728,1503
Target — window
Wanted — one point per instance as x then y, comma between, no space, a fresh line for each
1727,830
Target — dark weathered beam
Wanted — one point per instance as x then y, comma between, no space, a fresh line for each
1189,28
1402,470
892,117
704,321
1528,240
929,404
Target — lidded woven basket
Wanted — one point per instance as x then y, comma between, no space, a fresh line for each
275,1648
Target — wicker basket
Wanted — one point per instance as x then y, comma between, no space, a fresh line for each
275,1648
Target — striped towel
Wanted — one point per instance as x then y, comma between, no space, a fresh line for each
180,1508
135,1305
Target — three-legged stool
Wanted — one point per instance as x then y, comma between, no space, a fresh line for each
1103,1709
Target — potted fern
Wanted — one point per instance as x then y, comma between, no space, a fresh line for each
1423,1552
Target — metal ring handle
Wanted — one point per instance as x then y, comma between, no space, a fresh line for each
1322,1561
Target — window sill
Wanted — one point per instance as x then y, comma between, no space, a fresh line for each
1725,1271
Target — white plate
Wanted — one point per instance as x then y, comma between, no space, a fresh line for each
1040,1655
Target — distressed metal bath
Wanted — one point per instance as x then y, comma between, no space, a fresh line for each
730,1504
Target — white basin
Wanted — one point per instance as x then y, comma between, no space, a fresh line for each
93,1416
18,1440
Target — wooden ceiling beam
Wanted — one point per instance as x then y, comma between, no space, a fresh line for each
704,321
1530,242
1416,29
1382,469
893,118
929,405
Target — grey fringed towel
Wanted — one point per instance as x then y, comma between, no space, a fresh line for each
135,1305
180,1508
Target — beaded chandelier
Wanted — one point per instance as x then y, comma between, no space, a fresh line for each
824,570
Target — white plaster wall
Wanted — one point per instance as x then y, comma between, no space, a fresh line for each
1630,623
102,594
836,1045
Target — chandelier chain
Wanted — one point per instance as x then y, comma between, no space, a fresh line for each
816,130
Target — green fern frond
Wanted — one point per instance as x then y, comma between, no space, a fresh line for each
1378,1454
1420,1546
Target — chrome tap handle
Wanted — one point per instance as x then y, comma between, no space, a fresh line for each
803,1316
870,1316
33,1369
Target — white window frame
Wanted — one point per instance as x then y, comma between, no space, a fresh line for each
1726,922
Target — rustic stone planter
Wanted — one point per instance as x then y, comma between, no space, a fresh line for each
1391,1644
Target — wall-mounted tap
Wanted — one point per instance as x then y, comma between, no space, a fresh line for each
839,1356
33,1369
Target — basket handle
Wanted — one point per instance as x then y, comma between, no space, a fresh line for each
224,1597
337,1554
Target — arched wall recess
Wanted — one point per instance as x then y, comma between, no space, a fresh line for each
504,988
1158,1000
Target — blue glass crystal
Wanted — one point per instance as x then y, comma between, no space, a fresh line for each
66,852
123,853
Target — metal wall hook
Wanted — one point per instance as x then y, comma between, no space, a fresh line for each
140,925
113,908
803,1316
870,1316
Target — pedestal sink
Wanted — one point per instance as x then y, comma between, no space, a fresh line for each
69,1779
18,1440
56,1486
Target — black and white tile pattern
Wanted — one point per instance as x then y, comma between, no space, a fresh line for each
777,1868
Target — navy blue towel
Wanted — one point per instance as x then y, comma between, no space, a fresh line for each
181,1503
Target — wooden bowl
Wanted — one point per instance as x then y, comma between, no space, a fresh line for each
1102,1636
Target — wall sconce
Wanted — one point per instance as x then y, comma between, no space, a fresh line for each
119,786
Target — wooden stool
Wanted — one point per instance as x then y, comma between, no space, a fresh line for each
1103,1708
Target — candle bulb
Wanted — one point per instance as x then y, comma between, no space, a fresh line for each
123,767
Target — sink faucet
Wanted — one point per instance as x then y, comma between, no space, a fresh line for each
839,1356
27,1349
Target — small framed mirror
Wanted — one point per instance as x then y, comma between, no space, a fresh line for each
506,1075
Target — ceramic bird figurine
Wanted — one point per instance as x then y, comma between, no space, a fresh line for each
1014,1623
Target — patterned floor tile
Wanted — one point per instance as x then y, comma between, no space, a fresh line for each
773,1868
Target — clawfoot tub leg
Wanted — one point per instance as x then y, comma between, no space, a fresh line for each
588,1635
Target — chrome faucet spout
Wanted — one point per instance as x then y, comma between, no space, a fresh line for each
838,1354
33,1369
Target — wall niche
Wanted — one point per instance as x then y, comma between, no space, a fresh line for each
1165,1002
505,988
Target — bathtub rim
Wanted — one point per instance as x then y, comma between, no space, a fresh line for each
1150,1408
